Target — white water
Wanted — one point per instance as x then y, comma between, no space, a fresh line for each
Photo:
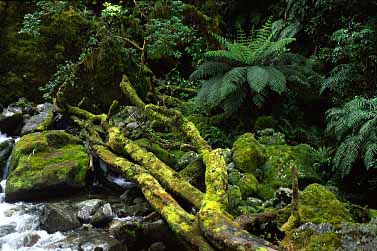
19,223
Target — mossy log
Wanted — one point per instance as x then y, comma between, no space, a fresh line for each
181,223
212,226
163,173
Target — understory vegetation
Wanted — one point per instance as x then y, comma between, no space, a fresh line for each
292,77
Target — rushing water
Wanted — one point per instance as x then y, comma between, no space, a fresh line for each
19,223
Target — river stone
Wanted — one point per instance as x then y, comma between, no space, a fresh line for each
11,123
45,165
87,208
41,121
102,216
59,217
94,240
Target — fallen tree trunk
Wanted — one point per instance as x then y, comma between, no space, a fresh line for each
212,226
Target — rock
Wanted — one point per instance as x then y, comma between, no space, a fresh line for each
186,159
7,229
86,209
5,151
41,121
59,217
317,205
248,153
45,165
141,209
276,172
94,240
102,216
157,246
11,123
139,235
349,236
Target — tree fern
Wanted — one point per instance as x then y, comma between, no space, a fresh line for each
249,63
354,124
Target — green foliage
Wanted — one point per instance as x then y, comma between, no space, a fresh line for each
217,138
355,58
247,63
354,125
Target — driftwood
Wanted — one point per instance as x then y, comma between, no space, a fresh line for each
212,227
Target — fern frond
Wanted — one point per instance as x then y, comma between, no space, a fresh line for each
346,155
370,156
257,78
233,80
209,69
234,101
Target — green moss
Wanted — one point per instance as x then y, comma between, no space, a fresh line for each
307,240
169,157
317,205
46,160
277,173
372,213
264,122
46,122
247,182
248,153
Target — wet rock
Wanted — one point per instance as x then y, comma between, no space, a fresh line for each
86,209
94,240
41,121
11,123
140,235
45,165
102,216
7,229
141,209
59,217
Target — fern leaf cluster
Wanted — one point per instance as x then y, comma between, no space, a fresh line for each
249,63
355,126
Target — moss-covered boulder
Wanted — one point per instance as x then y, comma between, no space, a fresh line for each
45,165
246,182
248,153
317,205
277,172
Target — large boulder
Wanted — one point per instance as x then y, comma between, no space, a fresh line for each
46,164
248,153
11,123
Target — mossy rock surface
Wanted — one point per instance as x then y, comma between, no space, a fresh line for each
277,170
248,153
45,165
317,205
